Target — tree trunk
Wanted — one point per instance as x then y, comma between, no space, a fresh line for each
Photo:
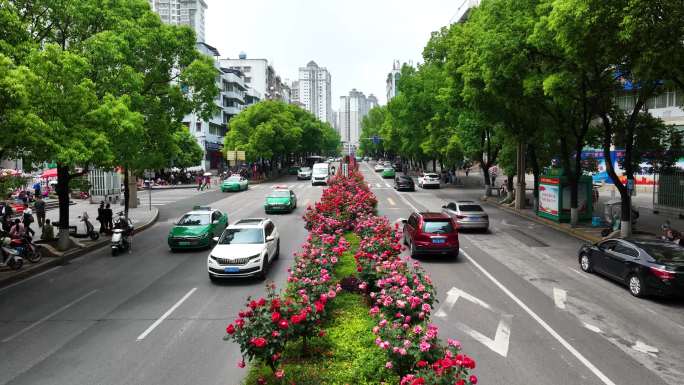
127,192
434,165
625,212
63,242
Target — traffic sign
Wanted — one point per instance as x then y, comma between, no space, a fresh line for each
376,139
240,155
231,155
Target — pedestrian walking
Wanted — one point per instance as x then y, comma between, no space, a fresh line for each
467,170
101,217
108,217
48,233
39,206
36,189
27,220
199,181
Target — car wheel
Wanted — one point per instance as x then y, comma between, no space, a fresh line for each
403,238
277,252
585,263
173,250
114,252
413,251
213,278
264,269
636,286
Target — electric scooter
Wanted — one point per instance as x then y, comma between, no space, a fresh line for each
121,239
90,229
9,257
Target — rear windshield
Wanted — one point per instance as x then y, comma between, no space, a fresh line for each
437,227
432,175
280,194
663,252
470,208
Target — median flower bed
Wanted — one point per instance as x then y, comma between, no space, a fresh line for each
376,330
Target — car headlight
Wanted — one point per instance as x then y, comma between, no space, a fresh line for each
255,256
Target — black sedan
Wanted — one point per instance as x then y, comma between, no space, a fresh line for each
403,182
646,266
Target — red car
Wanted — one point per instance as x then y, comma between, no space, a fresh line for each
431,233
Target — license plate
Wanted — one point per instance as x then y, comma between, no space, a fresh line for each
231,270
438,240
183,243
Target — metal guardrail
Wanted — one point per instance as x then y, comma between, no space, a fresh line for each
668,192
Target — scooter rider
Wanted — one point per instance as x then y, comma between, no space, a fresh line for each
126,225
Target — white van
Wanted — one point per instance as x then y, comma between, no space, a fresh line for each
320,174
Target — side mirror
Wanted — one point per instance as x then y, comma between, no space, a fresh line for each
444,207
215,239
270,238
403,220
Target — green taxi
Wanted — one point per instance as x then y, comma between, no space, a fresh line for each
388,172
235,183
197,228
280,200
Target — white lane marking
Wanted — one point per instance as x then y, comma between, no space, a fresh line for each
593,328
391,201
47,317
643,348
559,297
502,337
578,272
29,278
165,315
596,371
291,186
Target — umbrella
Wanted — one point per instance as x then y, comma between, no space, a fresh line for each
207,174
50,173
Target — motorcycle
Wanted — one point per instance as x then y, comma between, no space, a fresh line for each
90,229
121,234
26,248
8,256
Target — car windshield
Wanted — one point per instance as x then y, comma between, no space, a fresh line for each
389,169
663,252
280,194
432,175
233,179
194,220
242,236
437,227
305,169
470,208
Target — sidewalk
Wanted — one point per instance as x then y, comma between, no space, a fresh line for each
142,219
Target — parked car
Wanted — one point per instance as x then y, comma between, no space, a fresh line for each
304,173
280,200
235,183
468,214
292,170
431,233
388,172
246,248
379,167
645,266
428,179
404,182
195,229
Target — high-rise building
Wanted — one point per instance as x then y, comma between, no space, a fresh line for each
260,76
294,89
392,80
463,10
315,92
182,12
352,110
234,96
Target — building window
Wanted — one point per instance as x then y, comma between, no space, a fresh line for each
198,126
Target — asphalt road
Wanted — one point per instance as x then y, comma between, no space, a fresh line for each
515,298
82,323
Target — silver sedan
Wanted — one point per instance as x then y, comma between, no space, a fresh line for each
468,214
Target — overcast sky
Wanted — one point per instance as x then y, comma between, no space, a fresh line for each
357,40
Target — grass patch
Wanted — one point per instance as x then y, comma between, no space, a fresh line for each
346,266
346,354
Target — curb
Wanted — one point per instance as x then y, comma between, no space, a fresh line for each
572,232
60,260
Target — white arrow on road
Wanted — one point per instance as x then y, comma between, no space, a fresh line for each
502,336
643,348
559,297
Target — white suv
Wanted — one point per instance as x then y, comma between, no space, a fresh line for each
246,248
428,179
